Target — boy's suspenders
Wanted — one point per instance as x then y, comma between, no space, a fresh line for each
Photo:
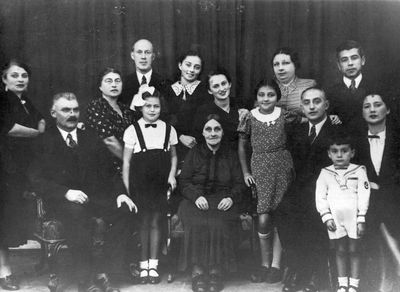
142,144
167,133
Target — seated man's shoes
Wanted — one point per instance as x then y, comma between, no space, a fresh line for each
9,283
310,288
199,283
291,283
260,275
102,282
215,284
86,287
134,273
312,285
274,275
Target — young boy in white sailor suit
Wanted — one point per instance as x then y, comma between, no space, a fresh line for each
342,198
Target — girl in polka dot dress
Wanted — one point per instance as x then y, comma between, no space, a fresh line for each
271,169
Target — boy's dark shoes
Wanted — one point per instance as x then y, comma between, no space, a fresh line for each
199,283
9,283
260,275
215,284
274,276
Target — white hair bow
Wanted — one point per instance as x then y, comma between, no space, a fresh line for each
138,100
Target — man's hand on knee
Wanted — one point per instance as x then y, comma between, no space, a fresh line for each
77,196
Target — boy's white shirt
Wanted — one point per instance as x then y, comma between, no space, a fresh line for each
329,184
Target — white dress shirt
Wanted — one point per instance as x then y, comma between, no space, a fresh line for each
376,147
147,75
64,134
317,127
347,81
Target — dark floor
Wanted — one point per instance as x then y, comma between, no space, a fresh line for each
24,261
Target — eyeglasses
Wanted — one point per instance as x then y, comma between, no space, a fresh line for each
109,81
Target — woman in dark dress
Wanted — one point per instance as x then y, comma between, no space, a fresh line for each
219,85
108,117
211,185
20,124
184,97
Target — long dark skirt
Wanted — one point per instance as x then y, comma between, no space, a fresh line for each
209,236
16,212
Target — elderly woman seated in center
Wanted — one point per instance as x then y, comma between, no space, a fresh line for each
211,185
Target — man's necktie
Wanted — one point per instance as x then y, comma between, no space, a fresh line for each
144,81
71,142
312,135
353,87
150,125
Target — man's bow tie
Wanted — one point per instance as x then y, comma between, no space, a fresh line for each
150,125
373,136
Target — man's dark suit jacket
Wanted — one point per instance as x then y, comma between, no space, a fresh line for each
385,203
131,86
88,167
348,105
297,209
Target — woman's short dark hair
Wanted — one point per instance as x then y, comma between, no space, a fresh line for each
14,62
270,83
192,53
104,72
218,71
294,56
384,98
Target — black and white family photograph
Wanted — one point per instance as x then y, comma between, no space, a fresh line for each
200,145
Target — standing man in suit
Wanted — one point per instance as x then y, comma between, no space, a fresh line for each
302,234
379,151
346,96
143,56
73,172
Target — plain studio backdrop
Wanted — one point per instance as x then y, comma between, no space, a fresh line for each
67,42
